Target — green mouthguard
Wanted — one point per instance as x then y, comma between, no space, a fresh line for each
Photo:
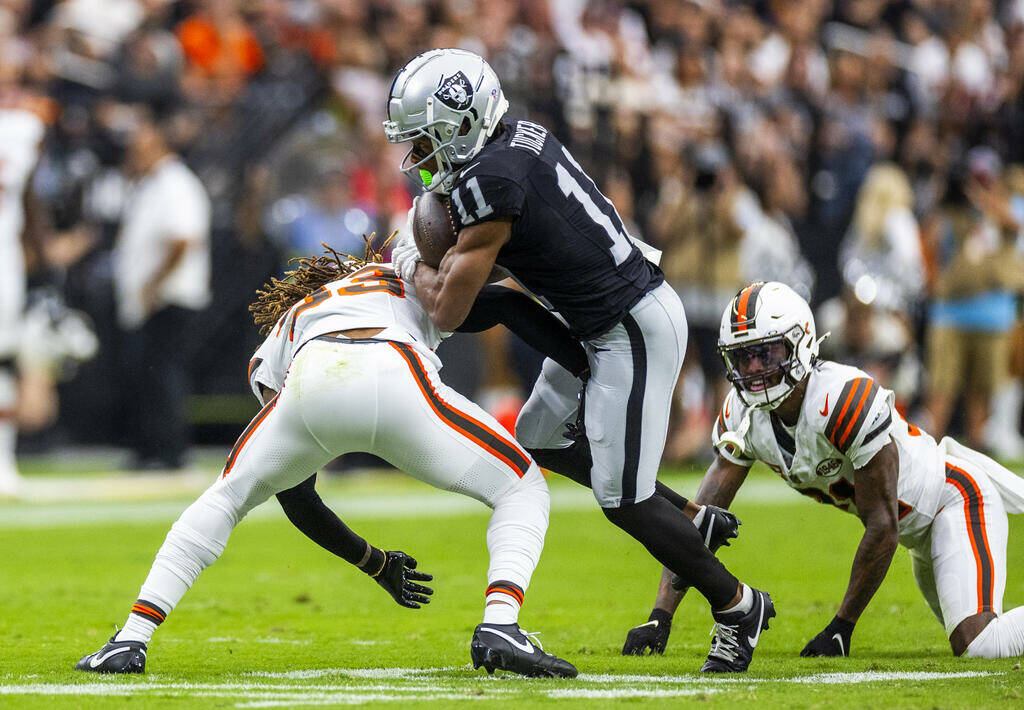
427,177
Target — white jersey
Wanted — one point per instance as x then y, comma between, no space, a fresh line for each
845,419
371,297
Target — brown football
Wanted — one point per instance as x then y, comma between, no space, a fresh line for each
433,227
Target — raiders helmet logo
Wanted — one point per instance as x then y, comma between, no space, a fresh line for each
829,467
455,92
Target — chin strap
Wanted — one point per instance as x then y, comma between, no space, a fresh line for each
731,442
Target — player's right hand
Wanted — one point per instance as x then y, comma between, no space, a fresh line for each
649,638
399,579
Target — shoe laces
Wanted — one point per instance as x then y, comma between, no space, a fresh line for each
532,636
724,644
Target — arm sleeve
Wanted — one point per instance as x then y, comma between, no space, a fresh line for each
529,320
728,419
307,512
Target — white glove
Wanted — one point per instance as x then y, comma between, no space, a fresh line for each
405,256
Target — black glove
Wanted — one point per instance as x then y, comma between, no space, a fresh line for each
833,641
397,575
650,637
716,527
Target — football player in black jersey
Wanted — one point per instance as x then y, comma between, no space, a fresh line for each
522,203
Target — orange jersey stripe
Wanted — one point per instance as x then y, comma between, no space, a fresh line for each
974,512
856,412
840,418
485,437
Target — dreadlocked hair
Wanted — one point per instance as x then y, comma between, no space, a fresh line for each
277,296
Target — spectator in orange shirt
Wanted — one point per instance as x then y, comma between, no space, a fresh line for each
221,49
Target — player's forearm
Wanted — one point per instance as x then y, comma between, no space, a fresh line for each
447,293
311,516
668,598
870,565
720,483
530,321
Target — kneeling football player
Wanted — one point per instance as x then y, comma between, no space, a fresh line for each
832,433
348,365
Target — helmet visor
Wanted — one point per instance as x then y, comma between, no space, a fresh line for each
760,365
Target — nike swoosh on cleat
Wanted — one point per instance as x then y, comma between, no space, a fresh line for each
524,647
824,411
760,617
839,639
93,662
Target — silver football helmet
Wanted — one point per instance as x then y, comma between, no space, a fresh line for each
449,99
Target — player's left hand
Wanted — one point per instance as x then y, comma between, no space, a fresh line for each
833,641
399,577
650,637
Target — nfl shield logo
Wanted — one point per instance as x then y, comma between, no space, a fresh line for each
455,92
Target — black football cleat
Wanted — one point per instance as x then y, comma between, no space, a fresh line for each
116,657
737,634
505,647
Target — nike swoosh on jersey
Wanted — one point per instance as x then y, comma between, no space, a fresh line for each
839,639
752,640
524,647
468,168
93,662
824,411
726,412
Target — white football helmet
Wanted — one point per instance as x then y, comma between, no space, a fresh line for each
451,97
768,341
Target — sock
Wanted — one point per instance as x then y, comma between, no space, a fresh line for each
142,622
673,540
194,543
504,600
1002,638
515,533
746,602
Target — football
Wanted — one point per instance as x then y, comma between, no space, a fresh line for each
433,227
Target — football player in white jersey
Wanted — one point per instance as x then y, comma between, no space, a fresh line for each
832,433
348,365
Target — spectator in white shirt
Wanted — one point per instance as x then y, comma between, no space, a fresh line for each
162,280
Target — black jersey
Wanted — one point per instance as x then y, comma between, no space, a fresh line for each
568,244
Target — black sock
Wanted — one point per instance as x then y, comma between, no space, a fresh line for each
673,540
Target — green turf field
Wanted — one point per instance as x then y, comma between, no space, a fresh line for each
279,623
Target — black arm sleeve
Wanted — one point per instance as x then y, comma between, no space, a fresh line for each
530,321
315,520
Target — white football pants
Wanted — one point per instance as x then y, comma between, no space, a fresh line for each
633,372
381,398
960,567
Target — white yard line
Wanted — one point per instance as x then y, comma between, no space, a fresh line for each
86,509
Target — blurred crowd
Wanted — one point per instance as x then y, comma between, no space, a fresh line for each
870,153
